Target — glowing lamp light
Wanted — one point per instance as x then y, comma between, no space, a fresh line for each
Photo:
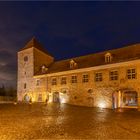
63,100
102,105
50,101
15,103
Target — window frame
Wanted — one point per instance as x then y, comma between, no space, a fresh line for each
98,77
26,58
131,74
74,80
54,81
85,78
38,82
113,75
108,57
63,82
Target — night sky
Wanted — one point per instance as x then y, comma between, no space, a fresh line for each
66,29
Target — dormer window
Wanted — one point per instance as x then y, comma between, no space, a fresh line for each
44,69
108,57
73,64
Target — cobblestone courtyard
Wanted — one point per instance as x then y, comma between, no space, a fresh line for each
54,121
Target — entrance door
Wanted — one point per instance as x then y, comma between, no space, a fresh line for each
40,98
56,97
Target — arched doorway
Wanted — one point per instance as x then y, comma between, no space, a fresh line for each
56,98
40,98
27,98
90,101
125,98
130,98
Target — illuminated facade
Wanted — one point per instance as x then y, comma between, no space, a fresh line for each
109,79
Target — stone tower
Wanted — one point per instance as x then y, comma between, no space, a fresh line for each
30,59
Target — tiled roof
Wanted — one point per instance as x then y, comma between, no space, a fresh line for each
119,55
34,43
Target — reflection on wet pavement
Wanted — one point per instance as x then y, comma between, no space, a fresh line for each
60,121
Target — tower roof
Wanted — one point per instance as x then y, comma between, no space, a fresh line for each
34,43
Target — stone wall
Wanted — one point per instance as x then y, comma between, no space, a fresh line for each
25,73
102,91
98,94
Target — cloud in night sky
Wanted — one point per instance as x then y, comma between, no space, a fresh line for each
66,29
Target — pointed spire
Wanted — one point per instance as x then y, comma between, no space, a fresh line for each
34,43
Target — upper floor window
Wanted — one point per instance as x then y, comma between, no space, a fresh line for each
25,58
25,85
37,82
63,80
98,77
73,64
74,79
131,73
85,78
54,81
108,57
113,75
44,69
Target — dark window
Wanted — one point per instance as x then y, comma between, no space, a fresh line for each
63,80
98,77
24,85
85,78
74,79
25,58
114,75
131,73
38,82
54,81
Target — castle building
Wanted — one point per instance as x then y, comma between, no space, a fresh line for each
109,79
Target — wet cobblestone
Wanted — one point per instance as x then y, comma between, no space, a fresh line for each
54,121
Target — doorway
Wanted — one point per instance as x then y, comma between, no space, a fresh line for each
130,98
40,98
56,97
125,99
27,98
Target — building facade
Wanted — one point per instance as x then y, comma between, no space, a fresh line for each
108,79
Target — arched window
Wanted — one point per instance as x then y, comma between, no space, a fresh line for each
108,57
73,64
44,69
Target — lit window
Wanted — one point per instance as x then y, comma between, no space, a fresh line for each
37,82
25,58
131,73
54,81
98,77
114,75
24,85
74,79
108,57
85,78
63,80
